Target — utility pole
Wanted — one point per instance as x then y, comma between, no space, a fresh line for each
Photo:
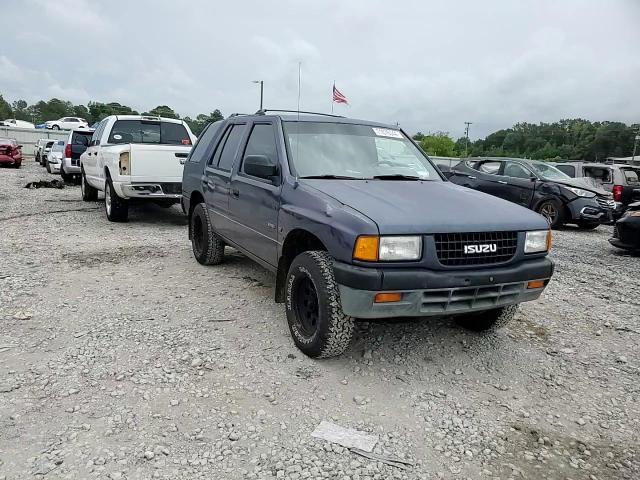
261,82
466,135
635,144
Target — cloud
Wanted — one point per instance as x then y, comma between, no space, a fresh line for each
427,65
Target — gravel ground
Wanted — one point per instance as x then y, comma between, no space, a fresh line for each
121,357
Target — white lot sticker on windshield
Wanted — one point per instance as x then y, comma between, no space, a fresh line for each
386,132
117,136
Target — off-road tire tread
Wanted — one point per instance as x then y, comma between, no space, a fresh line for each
215,247
340,326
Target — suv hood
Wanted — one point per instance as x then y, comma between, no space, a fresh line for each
415,207
583,184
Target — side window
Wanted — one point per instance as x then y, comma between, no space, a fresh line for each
602,175
230,148
95,139
491,167
203,143
515,170
262,141
568,169
215,157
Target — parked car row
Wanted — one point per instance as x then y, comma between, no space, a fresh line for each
63,156
352,217
64,123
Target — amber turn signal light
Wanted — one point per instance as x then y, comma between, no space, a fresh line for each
536,284
388,297
366,248
549,241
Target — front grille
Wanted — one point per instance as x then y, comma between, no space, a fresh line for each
452,300
606,202
451,251
171,188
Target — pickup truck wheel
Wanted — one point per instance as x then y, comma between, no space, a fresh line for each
89,194
207,247
319,327
553,211
116,208
489,319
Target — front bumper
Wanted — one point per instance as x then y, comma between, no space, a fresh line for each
54,167
626,234
589,210
156,191
8,160
431,292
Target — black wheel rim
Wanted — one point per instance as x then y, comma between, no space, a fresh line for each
307,308
548,211
198,234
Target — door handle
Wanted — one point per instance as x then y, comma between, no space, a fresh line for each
502,182
471,176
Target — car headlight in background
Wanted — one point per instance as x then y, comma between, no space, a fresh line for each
538,241
632,213
580,192
372,248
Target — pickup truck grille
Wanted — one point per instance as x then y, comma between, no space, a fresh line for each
450,248
606,202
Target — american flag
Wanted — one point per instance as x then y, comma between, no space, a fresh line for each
338,97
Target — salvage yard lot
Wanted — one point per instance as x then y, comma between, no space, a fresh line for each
122,357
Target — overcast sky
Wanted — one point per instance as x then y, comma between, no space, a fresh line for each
429,65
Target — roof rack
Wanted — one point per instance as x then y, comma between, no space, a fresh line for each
237,115
265,110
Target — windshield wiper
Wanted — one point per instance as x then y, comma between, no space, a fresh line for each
396,176
333,177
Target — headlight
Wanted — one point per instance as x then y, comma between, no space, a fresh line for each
537,241
580,192
371,248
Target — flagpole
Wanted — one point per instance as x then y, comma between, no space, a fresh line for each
332,102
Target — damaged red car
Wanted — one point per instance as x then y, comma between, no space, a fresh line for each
10,152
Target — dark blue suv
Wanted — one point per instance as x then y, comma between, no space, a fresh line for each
357,223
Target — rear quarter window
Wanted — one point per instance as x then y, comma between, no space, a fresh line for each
204,143
600,174
568,169
631,175
81,138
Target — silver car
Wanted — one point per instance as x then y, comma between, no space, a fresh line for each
54,158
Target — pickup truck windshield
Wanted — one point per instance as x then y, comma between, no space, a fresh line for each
347,151
146,131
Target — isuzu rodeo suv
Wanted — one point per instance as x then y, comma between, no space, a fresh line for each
357,223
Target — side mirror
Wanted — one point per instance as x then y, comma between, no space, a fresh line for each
260,166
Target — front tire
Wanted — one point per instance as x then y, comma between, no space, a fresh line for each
89,194
48,167
319,327
116,208
207,247
553,211
488,319
55,127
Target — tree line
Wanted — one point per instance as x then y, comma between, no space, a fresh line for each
93,112
572,139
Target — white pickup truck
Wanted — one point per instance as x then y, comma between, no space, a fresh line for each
135,157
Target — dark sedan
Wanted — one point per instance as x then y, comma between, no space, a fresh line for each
10,152
539,187
626,234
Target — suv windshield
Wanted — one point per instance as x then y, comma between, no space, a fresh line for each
341,150
149,131
548,172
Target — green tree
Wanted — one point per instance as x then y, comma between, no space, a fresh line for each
20,110
163,111
439,144
5,109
